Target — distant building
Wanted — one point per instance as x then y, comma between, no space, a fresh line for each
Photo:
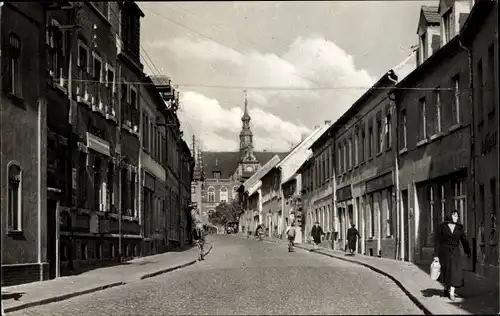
224,172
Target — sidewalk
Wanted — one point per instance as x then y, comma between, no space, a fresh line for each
479,296
45,292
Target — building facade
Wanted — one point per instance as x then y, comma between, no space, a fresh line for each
85,157
23,157
480,36
434,145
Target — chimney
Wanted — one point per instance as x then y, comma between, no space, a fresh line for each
316,126
303,137
328,122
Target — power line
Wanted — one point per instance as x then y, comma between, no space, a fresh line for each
276,88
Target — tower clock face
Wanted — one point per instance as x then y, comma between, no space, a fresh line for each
249,169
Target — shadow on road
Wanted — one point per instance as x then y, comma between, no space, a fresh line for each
432,292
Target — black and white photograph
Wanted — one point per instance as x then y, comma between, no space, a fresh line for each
249,158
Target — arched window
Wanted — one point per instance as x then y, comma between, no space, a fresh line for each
223,194
211,194
14,198
14,59
235,192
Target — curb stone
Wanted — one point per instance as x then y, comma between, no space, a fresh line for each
62,297
93,290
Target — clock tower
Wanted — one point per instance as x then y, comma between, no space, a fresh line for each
248,162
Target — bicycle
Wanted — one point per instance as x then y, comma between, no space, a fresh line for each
290,245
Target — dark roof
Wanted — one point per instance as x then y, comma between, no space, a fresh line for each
431,14
227,161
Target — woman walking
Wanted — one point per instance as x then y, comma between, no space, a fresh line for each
449,235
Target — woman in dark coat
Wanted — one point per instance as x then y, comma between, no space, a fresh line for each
352,235
449,235
316,233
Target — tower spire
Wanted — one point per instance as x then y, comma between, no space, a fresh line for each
246,116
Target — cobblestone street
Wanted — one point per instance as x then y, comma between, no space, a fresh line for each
247,277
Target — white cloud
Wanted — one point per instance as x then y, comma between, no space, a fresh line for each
219,127
326,73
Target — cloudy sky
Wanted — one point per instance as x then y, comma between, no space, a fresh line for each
302,63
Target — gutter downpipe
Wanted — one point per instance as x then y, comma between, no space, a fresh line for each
1,226
472,159
399,217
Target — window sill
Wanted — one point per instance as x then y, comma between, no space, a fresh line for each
111,118
131,131
388,149
403,151
422,142
83,100
15,232
436,136
455,127
379,154
99,110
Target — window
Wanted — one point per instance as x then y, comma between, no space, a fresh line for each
442,196
339,159
491,78
133,97
356,149
145,132
370,142
447,26
97,185
211,194
380,135
423,46
422,127
390,224
387,131
480,91
460,200
97,70
431,199
372,216
216,174
362,151
83,70
82,180
133,194
56,51
456,99
350,153
403,130
211,212
223,194
14,197
344,157
109,186
99,252
482,200
14,78
110,91
83,251
437,95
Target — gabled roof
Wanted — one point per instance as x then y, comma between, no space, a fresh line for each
226,162
253,189
262,171
308,141
431,14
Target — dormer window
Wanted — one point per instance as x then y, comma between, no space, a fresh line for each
447,26
216,174
423,46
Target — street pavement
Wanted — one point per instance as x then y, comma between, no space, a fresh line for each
247,277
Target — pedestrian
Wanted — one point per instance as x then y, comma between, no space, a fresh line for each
199,239
290,232
449,235
352,236
316,233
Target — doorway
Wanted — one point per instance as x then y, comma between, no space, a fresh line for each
406,226
52,230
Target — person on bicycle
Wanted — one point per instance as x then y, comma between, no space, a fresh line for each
259,232
290,232
199,238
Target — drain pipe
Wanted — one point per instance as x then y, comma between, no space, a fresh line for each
472,153
393,107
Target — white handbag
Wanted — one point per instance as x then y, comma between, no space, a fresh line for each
435,270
